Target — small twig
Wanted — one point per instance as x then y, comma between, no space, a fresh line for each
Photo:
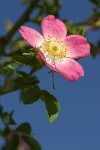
21,20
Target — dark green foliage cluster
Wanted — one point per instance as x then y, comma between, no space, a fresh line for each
18,136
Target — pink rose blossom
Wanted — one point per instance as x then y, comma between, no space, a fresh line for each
57,50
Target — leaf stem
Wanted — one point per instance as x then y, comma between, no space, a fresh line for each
21,20
53,84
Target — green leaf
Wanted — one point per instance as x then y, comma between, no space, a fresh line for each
24,128
13,144
8,25
27,57
21,74
52,105
95,2
93,50
75,29
12,121
5,132
6,67
84,32
5,117
20,59
52,7
30,95
1,110
32,143
24,82
7,83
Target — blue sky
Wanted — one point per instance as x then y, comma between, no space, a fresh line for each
78,125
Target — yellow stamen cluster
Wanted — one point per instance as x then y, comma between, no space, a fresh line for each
54,49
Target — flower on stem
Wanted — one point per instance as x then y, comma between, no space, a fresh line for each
57,50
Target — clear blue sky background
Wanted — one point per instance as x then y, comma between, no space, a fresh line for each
78,125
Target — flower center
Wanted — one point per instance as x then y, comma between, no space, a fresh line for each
54,49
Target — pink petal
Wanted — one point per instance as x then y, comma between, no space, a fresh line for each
48,64
70,69
53,27
77,46
33,37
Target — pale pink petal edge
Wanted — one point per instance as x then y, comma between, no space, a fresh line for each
53,27
70,69
77,46
32,36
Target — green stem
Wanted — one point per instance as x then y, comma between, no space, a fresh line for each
90,21
21,20
53,84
